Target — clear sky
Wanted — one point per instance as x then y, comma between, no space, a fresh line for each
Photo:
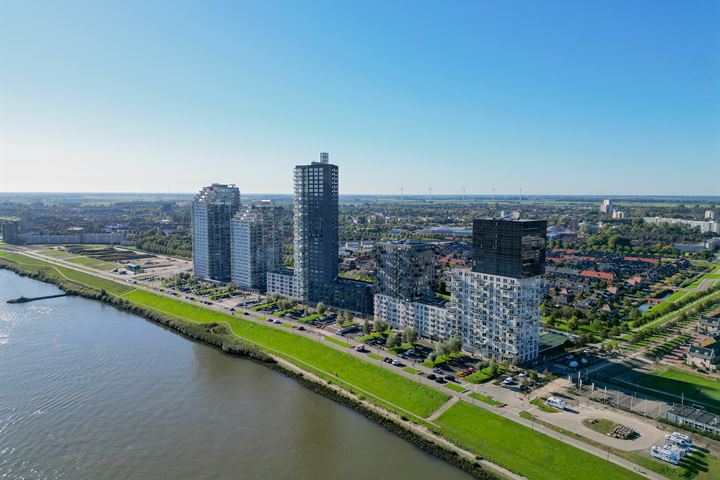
554,97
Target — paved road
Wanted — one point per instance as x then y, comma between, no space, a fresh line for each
510,412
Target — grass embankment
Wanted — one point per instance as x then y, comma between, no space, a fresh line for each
342,367
539,457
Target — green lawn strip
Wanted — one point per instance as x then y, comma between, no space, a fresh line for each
411,370
677,295
375,356
540,403
336,341
486,399
383,383
539,458
455,387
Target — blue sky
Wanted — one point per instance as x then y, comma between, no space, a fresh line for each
611,97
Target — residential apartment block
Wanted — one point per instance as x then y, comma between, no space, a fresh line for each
212,210
256,245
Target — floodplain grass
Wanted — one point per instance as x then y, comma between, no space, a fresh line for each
540,458
407,394
92,263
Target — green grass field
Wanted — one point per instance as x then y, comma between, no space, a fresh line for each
539,458
92,263
694,387
381,382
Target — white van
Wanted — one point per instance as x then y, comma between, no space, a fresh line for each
556,402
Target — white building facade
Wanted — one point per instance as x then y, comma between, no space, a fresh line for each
498,317
428,318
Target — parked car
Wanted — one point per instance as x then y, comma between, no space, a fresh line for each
449,378
301,328
387,360
431,376
397,363
438,370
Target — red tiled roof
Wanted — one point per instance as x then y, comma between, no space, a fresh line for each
594,274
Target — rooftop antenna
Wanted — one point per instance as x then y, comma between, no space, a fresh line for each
431,194
402,195
520,199
463,194
493,194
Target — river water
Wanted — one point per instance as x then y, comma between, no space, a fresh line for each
89,392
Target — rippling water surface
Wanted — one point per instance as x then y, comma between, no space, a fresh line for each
88,392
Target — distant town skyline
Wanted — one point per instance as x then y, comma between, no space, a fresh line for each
554,98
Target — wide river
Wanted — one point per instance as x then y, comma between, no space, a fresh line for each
89,392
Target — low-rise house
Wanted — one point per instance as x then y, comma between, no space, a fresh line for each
704,356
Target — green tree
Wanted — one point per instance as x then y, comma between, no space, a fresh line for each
393,340
410,335
320,308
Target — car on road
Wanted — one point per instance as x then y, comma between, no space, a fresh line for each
431,376
387,360
301,328
360,348
397,363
